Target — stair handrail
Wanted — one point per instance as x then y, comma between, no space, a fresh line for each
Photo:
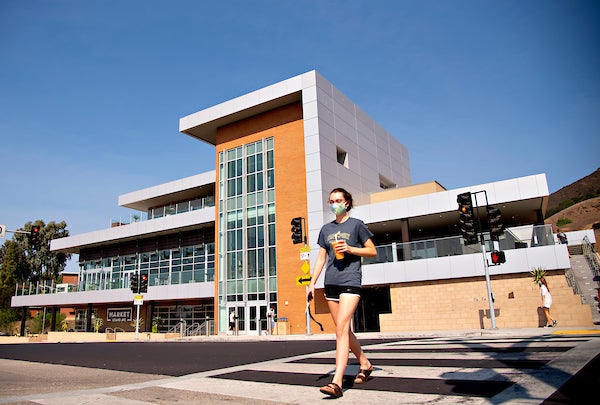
572,282
178,328
193,329
591,255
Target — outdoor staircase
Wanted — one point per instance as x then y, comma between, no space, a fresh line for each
587,281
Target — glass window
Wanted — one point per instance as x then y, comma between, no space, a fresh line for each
251,183
245,178
251,164
251,232
252,263
271,234
183,207
270,179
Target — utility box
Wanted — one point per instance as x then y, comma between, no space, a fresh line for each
282,327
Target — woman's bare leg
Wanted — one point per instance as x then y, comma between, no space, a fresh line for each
549,319
342,312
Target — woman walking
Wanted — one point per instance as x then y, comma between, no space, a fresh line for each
342,244
546,302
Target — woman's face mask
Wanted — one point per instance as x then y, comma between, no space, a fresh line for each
338,208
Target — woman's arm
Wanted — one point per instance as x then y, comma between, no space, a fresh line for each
368,250
319,264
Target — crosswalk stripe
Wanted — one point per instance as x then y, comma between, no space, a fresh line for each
409,371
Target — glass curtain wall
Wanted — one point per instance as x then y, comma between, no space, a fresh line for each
188,264
247,271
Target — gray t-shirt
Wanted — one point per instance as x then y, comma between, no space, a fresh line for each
345,272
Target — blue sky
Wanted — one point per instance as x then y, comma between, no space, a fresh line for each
91,92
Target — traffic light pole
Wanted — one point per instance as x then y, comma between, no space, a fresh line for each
485,262
137,323
307,314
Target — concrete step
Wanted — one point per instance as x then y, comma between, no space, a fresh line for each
575,249
588,284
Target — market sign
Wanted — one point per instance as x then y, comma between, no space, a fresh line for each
118,315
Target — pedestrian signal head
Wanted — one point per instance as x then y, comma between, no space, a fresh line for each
497,257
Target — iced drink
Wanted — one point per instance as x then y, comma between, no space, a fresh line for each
338,255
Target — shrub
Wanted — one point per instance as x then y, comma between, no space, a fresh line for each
563,222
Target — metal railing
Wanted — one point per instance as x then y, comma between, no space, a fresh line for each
572,282
178,328
175,277
591,256
514,238
193,329
110,331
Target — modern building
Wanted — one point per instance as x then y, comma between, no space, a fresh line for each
221,241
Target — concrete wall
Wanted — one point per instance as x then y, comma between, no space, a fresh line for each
462,304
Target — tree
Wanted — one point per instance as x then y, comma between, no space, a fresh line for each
12,270
41,263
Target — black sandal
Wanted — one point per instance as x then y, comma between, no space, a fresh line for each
363,375
332,389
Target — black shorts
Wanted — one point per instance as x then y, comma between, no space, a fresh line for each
333,292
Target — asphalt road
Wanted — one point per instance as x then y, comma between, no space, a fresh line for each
161,358
547,368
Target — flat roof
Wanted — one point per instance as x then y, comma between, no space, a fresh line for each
203,124
167,193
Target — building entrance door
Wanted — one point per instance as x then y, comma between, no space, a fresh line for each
250,319
257,319
238,319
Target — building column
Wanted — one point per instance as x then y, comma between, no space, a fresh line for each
88,321
404,231
23,320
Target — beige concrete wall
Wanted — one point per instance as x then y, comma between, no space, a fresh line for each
102,337
463,304
409,191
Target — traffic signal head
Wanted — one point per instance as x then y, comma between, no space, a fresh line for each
465,203
466,222
497,257
143,281
495,222
135,283
35,231
297,230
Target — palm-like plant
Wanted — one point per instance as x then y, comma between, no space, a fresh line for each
97,323
537,273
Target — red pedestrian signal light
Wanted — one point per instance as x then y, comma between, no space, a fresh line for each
497,257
